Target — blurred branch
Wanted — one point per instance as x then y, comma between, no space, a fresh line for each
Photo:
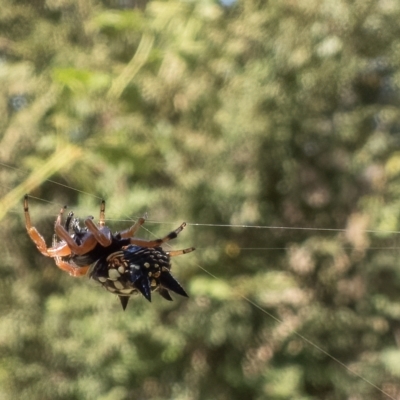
63,157
129,72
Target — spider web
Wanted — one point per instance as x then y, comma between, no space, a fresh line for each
234,290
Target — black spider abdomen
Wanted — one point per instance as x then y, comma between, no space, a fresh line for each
135,269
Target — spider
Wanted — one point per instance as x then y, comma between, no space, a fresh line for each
123,264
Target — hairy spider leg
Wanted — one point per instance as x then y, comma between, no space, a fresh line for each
89,241
33,233
175,253
60,249
104,236
130,232
158,242
69,267
123,234
127,233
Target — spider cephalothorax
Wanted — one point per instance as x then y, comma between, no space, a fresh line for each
123,264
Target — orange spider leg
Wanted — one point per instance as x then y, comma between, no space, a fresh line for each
158,242
33,233
59,249
89,241
175,253
67,266
127,233
102,236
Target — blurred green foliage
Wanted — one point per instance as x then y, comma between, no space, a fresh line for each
264,113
